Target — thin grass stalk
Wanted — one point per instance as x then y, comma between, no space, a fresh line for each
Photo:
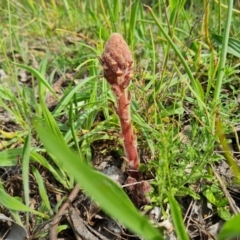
227,151
25,173
171,24
223,53
206,5
105,15
72,128
154,76
219,18
221,68
133,20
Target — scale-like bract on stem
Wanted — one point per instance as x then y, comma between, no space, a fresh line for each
117,64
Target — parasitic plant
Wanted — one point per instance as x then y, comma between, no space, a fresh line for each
117,64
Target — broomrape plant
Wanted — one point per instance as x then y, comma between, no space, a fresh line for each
117,64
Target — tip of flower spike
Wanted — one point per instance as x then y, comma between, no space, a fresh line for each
117,61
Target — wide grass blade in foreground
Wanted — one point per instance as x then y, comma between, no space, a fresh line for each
231,229
107,193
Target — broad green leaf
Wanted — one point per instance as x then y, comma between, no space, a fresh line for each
177,218
103,190
230,229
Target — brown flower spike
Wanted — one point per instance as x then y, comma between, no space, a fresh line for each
117,64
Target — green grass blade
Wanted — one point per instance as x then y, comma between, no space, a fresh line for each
38,75
25,172
73,132
177,219
112,6
107,193
57,174
11,203
132,23
49,117
42,189
67,98
223,53
51,123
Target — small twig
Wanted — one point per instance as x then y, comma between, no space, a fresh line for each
231,202
191,208
135,183
57,218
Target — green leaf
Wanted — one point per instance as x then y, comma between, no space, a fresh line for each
177,218
103,190
230,229
224,214
210,197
